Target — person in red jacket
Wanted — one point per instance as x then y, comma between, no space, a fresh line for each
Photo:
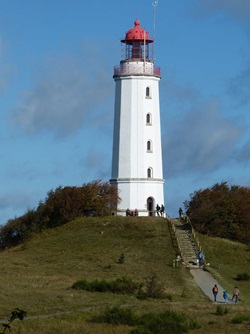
215,291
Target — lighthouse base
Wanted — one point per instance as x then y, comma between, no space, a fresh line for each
139,195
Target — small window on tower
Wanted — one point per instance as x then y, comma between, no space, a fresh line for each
150,173
148,119
148,93
149,146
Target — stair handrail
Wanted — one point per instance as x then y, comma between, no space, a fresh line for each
188,220
176,237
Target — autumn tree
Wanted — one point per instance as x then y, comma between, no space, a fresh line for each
60,206
222,211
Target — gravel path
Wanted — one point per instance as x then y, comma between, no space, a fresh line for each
206,282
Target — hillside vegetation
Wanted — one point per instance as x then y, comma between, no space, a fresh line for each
93,199
37,276
221,211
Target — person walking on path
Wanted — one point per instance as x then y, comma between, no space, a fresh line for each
215,292
236,294
201,259
180,213
225,296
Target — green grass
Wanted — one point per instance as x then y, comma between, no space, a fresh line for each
227,260
37,276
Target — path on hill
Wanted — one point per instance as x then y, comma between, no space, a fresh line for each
206,282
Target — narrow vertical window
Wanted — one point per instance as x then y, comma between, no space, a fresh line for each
149,146
148,92
150,173
148,119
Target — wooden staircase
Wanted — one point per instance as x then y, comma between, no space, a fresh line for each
187,244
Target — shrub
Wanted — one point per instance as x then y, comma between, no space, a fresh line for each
116,316
121,259
154,288
120,285
221,310
243,277
150,323
239,319
81,285
16,314
165,322
141,294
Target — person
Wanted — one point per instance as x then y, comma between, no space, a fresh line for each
127,212
200,259
215,291
180,213
225,296
158,209
136,212
162,210
236,294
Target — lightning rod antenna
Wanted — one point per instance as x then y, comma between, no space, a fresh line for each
154,4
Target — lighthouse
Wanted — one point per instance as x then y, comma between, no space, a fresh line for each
137,149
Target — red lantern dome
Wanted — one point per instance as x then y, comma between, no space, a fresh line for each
137,34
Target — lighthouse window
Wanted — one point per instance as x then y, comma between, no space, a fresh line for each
149,146
150,173
148,119
148,92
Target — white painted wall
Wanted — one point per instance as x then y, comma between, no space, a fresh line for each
131,133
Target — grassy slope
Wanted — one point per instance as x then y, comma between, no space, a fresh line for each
228,259
37,276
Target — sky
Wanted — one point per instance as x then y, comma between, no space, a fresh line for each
57,94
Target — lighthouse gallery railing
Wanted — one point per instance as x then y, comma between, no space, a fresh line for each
135,70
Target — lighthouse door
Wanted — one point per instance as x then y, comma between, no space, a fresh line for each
150,206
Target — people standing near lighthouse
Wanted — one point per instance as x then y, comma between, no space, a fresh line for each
162,210
158,210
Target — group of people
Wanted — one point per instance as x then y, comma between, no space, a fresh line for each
131,213
235,297
160,210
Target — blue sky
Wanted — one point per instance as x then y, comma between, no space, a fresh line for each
57,93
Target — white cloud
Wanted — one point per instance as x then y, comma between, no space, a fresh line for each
6,71
239,87
237,9
14,200
245,152
65,95
201,142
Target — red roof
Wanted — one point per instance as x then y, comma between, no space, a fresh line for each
137,34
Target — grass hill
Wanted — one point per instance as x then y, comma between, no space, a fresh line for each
37,276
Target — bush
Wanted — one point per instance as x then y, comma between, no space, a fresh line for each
166,322
242,277
221,310
116,316
154,288
150,323
16,314
239,319
120,285
121,259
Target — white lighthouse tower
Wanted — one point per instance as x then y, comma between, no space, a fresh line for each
137,150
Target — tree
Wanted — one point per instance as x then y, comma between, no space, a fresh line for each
222,211
61,205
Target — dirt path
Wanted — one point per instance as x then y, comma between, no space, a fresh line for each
205,282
